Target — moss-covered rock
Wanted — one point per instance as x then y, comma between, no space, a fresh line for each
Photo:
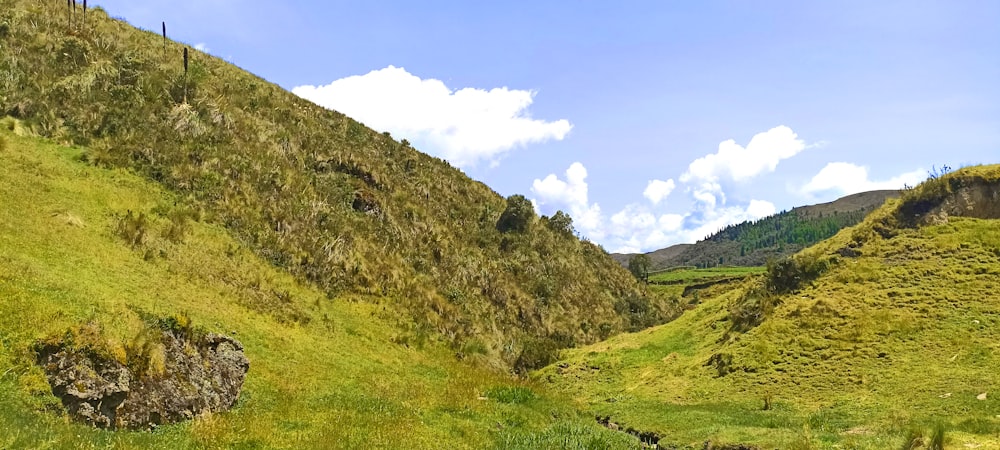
183,375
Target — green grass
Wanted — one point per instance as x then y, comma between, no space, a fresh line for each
895,342
324,372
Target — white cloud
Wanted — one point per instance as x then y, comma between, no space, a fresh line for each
657,190
571,194
707,195
631,218
759,208
846,178
718,219
201,47
671,222
634,229
464,126
642,226
736,163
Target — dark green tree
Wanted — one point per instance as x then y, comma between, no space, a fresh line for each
639,266
518,215
561,223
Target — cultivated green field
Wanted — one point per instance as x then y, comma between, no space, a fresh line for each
692,275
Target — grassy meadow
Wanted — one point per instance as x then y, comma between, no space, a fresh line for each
326,372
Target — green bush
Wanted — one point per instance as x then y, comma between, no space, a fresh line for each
916,439
788,274
784,275
640,312
518,215
537,353
561,223
723,365
639,266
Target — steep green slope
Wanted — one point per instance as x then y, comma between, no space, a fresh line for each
324,373
315,193
883,333
753,243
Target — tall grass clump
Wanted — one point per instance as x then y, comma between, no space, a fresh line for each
132,228
917,439
510,394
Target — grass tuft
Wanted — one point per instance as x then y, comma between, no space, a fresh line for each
510,394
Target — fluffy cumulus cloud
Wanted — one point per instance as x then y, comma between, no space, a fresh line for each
647,226
201,47
657,190
760,208
637,227
845,178
553,193
737,163
464,126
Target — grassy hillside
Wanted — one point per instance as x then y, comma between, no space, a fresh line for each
339,206
754,243
324,373
885,334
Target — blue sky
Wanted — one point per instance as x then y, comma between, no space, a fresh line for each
650,122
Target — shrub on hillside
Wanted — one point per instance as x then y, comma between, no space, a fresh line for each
561,223
639,266
132,228
640,312
537,353
917,439
788,274
751,309
783,276
518,215
180,224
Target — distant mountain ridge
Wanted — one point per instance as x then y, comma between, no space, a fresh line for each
753,243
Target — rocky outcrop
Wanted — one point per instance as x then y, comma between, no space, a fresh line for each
183,376
91,388
980,200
